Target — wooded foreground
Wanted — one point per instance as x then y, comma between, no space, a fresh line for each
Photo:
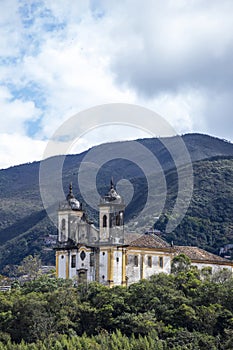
185,310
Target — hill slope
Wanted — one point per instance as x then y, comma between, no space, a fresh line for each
208,223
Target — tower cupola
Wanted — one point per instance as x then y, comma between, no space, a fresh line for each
73,202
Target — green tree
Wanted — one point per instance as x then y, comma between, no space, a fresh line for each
30,318
180,263
30,266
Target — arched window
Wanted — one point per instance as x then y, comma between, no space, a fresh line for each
105,221
118,220
63,224
73,261
149,261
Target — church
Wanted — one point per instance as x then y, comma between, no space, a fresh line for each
110,255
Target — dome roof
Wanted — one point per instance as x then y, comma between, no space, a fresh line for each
112,195
73,202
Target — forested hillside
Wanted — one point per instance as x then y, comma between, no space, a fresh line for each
208,223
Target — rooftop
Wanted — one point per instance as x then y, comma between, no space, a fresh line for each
149,241
195,253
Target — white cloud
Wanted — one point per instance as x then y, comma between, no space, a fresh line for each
180,46
9,29
17,149
172,57
72,79
15,112
107,133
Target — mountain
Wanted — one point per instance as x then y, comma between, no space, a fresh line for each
208,222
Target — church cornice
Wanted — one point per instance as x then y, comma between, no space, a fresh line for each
151,249
217,262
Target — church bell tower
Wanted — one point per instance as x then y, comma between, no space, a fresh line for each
111,217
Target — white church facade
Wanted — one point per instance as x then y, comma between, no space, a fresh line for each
110,255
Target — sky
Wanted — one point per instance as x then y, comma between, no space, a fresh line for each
58,58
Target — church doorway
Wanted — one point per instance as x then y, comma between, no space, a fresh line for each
82,276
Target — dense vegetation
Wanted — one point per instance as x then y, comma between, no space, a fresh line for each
185,310
208,222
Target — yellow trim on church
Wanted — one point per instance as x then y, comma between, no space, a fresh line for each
67,266
110,267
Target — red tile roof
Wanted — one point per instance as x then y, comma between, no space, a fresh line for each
156,242
149,241
131,236
195,253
